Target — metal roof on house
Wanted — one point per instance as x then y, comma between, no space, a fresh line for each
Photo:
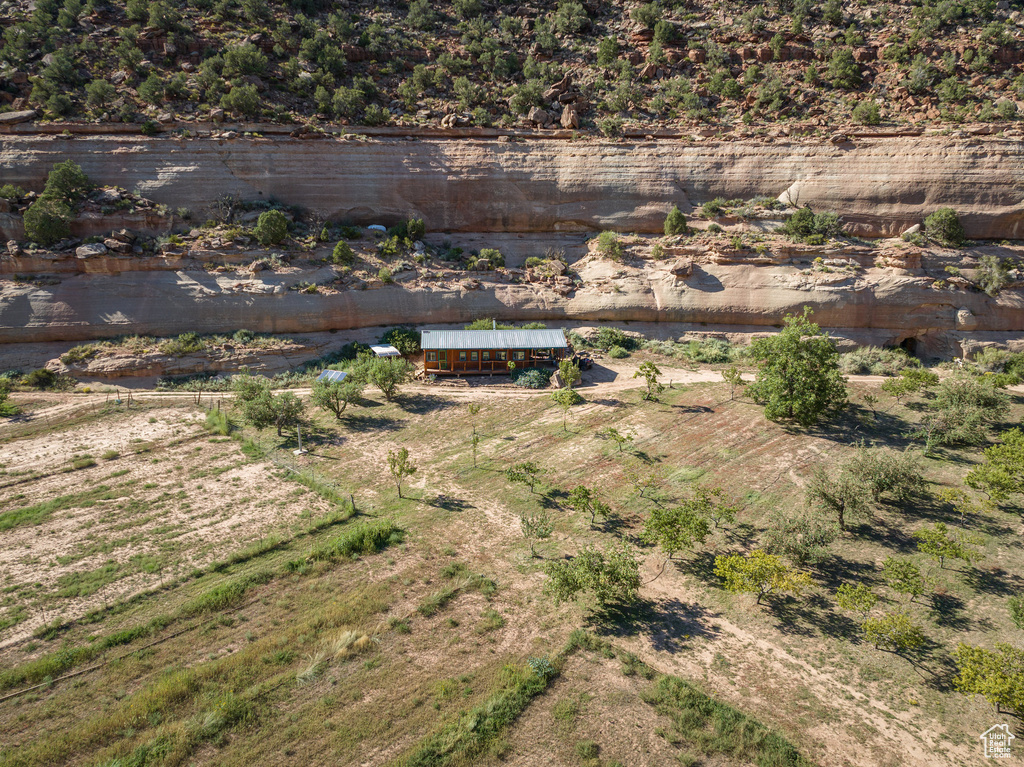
493,339
332,376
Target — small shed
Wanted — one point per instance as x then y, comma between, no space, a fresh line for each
385,350
332,376
491,351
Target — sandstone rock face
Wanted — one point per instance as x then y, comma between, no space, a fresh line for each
888,305
881,186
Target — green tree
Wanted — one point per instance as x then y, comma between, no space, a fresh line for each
47,221
997,675
242,99
941,543
335,396
963,408
650,372
674,529
525,472
798,374
903,577
841,493
944,226
271,228
343,254
857,598
734,377
867,113
287,410
894,631
565,399
535,527
803,538
386,373
675,222
400,467
896,473
67,183
585,501
569,372
760,573
613,576
909,381
843,71
621,440
607,51
1016,608
1001,474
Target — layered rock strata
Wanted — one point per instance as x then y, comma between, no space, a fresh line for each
879,185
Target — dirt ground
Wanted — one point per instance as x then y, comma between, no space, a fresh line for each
169,498
180,498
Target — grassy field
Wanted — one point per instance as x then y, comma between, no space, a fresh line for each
218,600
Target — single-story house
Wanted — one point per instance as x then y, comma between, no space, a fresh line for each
491,351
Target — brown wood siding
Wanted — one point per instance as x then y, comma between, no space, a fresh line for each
479,365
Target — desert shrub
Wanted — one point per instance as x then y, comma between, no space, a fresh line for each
245,59
609,246
271,227
532,378
608,337
384,275
876,361
492,256
804,223
709,352
186,343
867,113
843,71
617,353
713,208
79,354
944,226
675,222
993,273
40,379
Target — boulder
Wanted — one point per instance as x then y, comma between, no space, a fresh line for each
217,115
117,246
569,117
87,251
539,116
12,118
682,267
13,248
912,230
965,319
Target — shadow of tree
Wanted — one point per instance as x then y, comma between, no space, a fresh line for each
670,622
948,610
423,404
994,580
448,503
362,423
808,616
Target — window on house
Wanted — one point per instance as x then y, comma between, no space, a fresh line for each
519,355
474,356
462,356
502,356
431,356
487,356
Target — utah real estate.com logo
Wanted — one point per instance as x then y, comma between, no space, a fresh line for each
996,741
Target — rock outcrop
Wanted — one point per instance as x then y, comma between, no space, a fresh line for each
889,305
881,186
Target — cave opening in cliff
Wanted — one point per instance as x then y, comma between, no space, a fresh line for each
909,345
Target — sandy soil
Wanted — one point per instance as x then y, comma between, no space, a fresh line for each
182,502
